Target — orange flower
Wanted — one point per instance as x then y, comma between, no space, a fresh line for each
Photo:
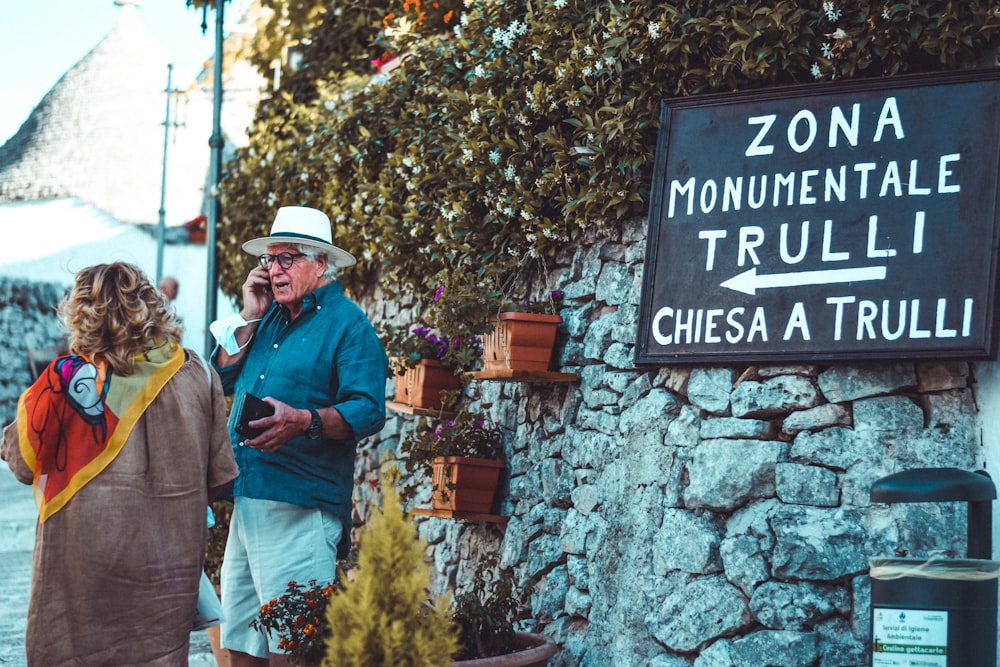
309,629
448,16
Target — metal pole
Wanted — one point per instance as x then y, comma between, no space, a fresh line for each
161,230
214,209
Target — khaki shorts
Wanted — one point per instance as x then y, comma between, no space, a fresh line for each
271,543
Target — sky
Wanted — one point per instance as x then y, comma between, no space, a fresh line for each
41,39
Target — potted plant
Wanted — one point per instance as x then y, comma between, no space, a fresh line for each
298,619
486,615
383,615
465,458
523,335
197,229
518,332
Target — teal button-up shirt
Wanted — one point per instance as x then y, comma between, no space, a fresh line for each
329,356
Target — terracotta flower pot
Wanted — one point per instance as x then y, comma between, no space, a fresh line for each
197,235
537,649
421,387
465,484
521,342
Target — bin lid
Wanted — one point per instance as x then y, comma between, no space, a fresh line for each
933,485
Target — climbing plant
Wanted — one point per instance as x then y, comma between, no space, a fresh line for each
507,128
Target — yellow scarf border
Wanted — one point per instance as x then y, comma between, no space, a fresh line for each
153,370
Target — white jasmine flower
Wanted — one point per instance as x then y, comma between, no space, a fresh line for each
827,50
559,4
816,71
479,71
510,173
495,156
474,116
653,29
467,154
831,11
271,199
586,71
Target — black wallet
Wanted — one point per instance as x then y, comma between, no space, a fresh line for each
253,408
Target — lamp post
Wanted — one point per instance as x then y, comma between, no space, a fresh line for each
216,142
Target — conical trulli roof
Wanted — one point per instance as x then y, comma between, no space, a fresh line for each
99,133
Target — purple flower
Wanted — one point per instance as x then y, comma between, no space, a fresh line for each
438,292
558,294
420,332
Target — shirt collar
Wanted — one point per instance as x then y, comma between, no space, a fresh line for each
319,296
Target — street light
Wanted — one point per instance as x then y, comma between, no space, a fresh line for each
216,142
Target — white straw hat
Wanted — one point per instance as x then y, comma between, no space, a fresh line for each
305,226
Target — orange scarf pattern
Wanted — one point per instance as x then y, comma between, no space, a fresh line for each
74,420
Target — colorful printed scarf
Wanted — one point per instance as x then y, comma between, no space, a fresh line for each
72,422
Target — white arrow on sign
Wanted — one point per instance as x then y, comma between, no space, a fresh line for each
749,282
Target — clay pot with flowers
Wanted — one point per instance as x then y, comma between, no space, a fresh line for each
518,333
464,456
426,366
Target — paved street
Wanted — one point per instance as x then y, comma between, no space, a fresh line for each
17,530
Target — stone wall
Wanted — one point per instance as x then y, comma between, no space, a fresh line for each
27,320
700,517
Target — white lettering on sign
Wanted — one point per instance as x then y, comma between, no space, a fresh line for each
685,326
903,318
752,237
838,184
805,121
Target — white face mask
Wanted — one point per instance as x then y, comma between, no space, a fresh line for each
224,330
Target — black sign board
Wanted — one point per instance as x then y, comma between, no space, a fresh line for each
856,220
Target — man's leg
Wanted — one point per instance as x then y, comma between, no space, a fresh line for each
273,543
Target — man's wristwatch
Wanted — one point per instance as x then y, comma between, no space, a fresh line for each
315,426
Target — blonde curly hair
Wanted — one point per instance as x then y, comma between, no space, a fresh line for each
114,313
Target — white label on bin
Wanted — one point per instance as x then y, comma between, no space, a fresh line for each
909,637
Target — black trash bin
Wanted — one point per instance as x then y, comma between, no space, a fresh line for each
937,612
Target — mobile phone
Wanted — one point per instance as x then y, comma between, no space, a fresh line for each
252,408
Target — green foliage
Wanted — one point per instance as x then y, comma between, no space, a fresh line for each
500,142
383,616
485,614
467,434
298,619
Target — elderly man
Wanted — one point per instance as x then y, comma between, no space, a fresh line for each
313,357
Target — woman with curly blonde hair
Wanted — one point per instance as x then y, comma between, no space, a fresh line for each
124,441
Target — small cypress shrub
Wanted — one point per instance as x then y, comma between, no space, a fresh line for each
384,616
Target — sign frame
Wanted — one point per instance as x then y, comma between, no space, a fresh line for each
674,246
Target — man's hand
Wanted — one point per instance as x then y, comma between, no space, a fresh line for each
286,423
257,296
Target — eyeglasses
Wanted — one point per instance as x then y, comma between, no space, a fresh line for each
285,259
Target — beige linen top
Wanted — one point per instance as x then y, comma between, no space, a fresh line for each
115,572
